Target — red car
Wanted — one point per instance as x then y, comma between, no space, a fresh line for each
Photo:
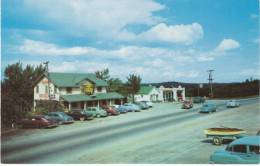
39,121
187,104
110,110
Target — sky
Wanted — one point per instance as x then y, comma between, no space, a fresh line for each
160,40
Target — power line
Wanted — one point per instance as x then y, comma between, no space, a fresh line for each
210,82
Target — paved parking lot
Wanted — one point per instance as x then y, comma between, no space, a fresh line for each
163,134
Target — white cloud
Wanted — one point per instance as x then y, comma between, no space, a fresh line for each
227,44
223,48
107,17
185,34
33,47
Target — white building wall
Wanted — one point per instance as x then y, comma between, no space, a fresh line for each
103,90
43,92
63,91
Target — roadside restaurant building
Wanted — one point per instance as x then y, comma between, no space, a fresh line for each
74,90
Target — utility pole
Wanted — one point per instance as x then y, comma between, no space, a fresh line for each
210,82
47,75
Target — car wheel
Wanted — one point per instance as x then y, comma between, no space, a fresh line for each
98,116
217,140
60,122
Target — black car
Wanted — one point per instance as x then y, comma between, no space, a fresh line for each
80,115
198,99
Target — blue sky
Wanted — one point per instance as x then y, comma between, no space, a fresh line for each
161,40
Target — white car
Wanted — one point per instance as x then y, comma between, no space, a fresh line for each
232,104
149,103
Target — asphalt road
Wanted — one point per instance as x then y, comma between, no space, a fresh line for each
163,134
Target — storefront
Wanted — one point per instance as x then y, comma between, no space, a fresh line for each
75,90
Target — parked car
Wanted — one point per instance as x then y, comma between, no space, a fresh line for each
110,110
198,99
115,106
122,109
97,111
142,105
61,117
80,115
232,104
245,150
187,104
208,108
39,121
132,107
149,103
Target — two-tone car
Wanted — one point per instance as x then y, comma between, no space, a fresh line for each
142,105
208,107
110,110
245,150
198,99
149,103
82,115
38,121
232,104
132,107
97,112
61,117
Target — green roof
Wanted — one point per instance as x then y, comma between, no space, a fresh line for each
73,79
144,90
98,96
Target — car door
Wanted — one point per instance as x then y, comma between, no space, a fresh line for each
253,154
239,154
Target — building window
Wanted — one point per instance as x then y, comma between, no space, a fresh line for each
37,89
69,90
46,89
99,89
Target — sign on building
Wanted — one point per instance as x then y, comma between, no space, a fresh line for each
88,88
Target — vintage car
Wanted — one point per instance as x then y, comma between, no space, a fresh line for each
39,121
245,150
198,99
110,110
132,107
149,103
208,107
80,115
142,105
97,111
232,104
61,117
187,104
122,109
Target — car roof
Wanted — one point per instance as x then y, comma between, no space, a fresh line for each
249,140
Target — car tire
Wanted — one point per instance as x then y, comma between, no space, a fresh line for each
98,116
217,140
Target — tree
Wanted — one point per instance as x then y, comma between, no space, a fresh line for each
103,74
133,83
17,91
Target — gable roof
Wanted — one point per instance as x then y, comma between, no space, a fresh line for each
98,96
145,90
73,79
